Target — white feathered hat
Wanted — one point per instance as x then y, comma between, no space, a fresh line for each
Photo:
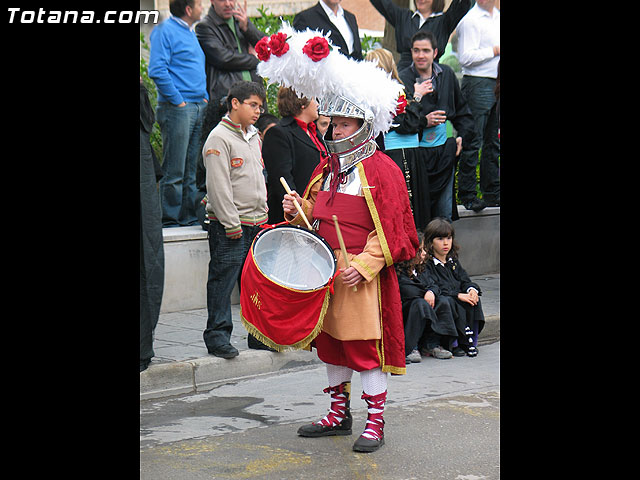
308,63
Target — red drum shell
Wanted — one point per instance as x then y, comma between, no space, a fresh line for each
277,308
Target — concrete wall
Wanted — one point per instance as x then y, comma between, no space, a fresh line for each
186,256
478,235
186,262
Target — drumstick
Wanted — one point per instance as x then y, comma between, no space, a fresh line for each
342,246
295,202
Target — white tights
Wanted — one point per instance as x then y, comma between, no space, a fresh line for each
373,381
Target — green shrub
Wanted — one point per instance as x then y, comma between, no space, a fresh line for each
156,136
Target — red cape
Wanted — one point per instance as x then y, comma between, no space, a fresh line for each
388,203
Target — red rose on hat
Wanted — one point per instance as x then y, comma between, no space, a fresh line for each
278,44
262,49
316,48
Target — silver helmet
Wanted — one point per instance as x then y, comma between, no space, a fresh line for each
359,145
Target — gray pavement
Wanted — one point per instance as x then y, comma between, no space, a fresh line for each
182,364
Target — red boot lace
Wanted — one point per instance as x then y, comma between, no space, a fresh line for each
375,422
338,410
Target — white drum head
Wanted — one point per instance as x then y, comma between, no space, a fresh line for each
294,257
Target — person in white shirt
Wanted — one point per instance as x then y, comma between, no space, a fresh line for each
479,54
328,16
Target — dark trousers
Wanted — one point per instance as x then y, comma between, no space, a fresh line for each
225,265
151,252
469,320
427,327
479,93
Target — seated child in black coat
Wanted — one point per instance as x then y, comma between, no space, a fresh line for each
455,285
428,321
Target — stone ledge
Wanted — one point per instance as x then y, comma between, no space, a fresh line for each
463,212
203,374
180,234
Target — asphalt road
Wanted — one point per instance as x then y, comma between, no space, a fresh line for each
442,422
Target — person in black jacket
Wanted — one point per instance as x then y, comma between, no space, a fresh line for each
402,140
429,17
328,15
226,35
444,102
455,285
291,149
151,243
428,321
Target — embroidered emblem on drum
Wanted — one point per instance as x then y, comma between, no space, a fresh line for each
255,298
236,162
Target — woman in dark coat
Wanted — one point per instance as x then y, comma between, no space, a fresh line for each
292,149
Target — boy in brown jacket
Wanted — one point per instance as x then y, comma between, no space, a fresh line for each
236,205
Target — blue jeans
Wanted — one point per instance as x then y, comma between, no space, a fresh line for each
225,265
479,93
181,146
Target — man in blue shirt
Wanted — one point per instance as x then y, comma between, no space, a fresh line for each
176,64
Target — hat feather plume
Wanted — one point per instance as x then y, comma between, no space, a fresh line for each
361,82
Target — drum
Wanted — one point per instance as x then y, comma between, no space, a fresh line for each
285,286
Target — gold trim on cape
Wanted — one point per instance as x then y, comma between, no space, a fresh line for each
307,191
366,189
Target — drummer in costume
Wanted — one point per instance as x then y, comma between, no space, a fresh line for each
362,328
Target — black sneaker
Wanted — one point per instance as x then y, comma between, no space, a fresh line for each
224,351
475,204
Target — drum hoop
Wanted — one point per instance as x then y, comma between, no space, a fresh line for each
297,227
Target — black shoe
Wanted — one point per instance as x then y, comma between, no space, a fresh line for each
458,352
367,445
224,351
475,204
316,430
253,342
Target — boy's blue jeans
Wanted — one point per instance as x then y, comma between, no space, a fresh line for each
181,130
225,266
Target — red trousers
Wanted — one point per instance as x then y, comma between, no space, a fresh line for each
358,355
